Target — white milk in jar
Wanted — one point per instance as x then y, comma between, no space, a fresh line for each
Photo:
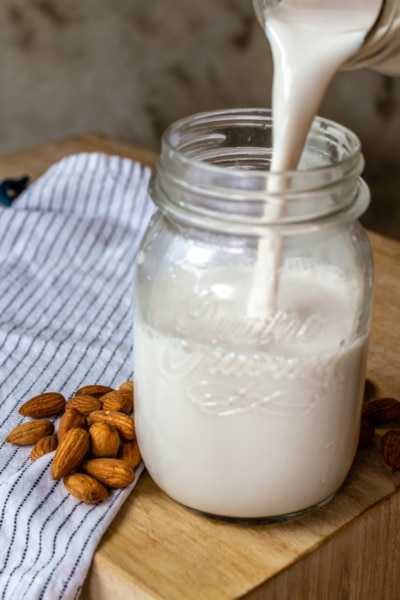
233,429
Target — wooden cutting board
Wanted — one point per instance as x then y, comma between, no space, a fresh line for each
349,550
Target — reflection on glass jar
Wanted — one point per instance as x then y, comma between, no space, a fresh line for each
242,413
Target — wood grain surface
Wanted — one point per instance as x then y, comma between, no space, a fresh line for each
349,550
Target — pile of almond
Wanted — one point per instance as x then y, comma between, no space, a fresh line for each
95,443
379,412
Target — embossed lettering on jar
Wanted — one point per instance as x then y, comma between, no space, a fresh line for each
243,415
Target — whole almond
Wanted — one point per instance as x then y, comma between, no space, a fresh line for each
390,450
30,432
121,421
104,440
119,400
113,472
72,449
94,390
379,410
130,453
367,431
85,488
46,444
71,419
84,404
127,386
43,405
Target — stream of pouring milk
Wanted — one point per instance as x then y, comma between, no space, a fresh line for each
310,41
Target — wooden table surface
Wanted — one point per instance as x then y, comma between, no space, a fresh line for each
349,550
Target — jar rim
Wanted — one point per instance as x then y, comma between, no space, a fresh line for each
172,135
213,170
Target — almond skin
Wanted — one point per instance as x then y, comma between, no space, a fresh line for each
30,432
104,440
122,422
85,488
127,386
113,472
46,444
379,410
43,405
130,453
71,419
84,404
94,390
390,450
120,401
71,451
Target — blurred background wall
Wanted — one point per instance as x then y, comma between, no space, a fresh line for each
127,68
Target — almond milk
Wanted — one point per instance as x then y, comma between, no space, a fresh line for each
249,420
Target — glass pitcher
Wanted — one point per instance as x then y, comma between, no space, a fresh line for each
381,48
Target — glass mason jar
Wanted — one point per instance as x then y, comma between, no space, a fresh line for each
252,309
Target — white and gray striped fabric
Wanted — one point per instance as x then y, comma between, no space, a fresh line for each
67,252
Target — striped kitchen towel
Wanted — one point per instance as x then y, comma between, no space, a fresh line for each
67,252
